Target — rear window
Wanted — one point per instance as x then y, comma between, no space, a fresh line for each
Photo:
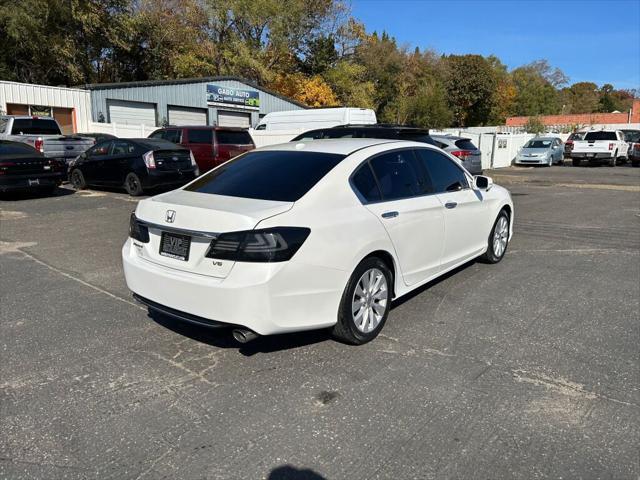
232,137
268,175
601,136
465,144
35,126
16,149
200,136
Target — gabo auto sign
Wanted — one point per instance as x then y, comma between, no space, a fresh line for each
232,96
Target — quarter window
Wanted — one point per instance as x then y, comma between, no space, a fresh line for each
365,183
200,135
172,135
399,175
445,175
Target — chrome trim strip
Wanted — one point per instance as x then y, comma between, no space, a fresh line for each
166,228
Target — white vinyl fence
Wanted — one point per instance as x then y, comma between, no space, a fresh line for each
121,130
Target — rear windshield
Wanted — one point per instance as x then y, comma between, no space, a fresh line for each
201,136
35,126
16,149
267,175
465,144
601,136
232,137
538,144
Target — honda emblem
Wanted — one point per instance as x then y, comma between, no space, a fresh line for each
171,216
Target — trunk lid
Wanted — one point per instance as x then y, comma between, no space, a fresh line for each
172,160
591,146
27,164
195,218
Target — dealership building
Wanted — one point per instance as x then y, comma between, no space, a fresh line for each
221,101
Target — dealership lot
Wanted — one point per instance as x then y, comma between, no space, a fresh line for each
526,368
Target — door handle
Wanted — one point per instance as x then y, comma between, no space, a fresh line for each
390,214
451,205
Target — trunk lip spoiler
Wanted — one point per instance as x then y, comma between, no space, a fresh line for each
184,231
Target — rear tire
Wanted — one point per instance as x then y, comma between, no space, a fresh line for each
77,179
365,303
613,161
635,163
498,239
575,162
132,185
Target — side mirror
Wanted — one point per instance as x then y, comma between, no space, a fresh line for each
480,182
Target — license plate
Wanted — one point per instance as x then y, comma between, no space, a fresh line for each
176,246
34,182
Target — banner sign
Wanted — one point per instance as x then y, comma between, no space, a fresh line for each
232,96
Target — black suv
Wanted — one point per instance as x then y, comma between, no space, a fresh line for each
391,132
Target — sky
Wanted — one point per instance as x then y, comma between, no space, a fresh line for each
589,40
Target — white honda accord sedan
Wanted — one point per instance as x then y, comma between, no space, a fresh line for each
302,236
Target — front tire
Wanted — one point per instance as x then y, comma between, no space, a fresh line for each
77,179
365,303
133,185
498,239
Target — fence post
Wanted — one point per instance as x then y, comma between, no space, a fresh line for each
493,148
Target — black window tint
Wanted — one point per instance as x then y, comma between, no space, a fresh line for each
445,175
233,137
172,135
465,144
200,136
35,126
17,149
398,175
601,136
365,183
157,134
269,175
100,149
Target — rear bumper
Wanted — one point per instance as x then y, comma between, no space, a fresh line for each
29,182
266,298
166,179
592,156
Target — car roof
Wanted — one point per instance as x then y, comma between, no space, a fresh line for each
202,127
154,143
340,146
544,138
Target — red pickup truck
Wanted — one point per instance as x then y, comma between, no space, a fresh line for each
211,146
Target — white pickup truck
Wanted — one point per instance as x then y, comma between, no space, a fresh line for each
604,146
43,134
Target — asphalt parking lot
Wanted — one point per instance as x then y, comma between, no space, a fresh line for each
525,369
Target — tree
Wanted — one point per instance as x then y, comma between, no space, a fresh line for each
351,84
319,56
581,97
470,85
312,91
534,94
535,125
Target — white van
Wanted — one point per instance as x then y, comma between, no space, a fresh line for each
304,120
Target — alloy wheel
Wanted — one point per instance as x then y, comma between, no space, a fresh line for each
500,236
370,300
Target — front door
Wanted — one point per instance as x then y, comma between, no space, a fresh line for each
465,221
413,218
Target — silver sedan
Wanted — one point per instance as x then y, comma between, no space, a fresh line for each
541,151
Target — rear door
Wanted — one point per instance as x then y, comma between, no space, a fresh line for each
117,164
411,215
465,215
231,143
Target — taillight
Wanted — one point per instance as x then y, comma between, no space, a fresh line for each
137,230
277,244
149,161
611,146
4,166
462,154
39,144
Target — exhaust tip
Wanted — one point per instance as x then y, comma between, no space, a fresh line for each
242,335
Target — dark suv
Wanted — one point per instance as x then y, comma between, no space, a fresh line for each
391,132
211,146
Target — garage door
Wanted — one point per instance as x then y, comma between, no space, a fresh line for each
228,118
132,113
187,116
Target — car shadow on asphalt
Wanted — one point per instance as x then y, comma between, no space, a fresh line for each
35,194
222,338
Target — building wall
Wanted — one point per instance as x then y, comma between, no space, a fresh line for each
183,95
583,118
42,95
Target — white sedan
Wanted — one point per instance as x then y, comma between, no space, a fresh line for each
312,235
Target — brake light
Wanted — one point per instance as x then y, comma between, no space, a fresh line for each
611,146
277,244
39,144
149,161
4,166
462,154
